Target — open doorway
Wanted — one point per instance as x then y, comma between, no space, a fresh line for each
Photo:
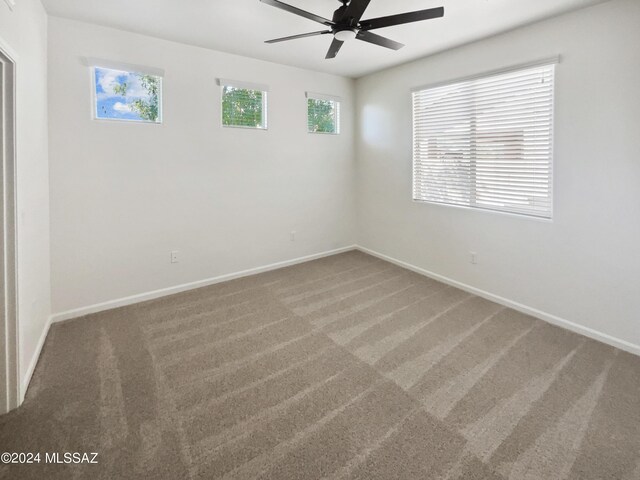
9,365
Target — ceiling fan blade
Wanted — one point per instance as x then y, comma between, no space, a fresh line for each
335,47
298,11
294,37
378,40
401,18
355,10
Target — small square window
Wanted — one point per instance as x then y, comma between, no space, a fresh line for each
244,107
128,96
323,115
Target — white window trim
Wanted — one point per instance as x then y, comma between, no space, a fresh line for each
332,98
223,82
553,60
122,66
322,96
94,63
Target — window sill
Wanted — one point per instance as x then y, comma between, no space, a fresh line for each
243,127
523,216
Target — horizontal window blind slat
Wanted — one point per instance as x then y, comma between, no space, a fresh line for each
486,114
506,124
521,187
476,96
522,178
537,136
500,99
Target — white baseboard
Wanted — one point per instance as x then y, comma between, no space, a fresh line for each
142,297
24,385
534,312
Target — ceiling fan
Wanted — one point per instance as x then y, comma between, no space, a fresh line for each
346,24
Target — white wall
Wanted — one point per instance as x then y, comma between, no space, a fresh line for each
24,31
583,267
124,195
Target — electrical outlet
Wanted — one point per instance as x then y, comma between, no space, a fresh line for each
175,256
292,237
473,258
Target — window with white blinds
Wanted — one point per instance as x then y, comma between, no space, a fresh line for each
486,142
323,113
243,104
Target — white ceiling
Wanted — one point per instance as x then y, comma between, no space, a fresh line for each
241,26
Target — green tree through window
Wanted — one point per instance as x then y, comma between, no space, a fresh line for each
147,107
322,116
242,107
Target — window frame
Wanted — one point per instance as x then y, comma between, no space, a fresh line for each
93,64
240,85
337,111
551,61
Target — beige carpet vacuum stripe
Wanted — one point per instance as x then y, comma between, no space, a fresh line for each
232,365
111,399
373,353
196,332
219,331
254,467
409,373
443,400
362,457
240,429
288,418
169,359
170,416
413,315
309,307
294,284
177,322
344,336
206,421
555,451
208,303
486,434
277,374
245,429
316,284
328,284
177,317
227,380
330,318
209,446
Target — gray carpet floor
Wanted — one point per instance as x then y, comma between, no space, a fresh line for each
346,367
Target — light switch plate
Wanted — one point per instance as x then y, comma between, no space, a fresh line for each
11,3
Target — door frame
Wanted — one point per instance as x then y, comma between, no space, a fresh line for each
10,389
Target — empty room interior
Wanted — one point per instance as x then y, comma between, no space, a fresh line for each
320,239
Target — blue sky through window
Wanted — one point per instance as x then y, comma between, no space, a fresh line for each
110,103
